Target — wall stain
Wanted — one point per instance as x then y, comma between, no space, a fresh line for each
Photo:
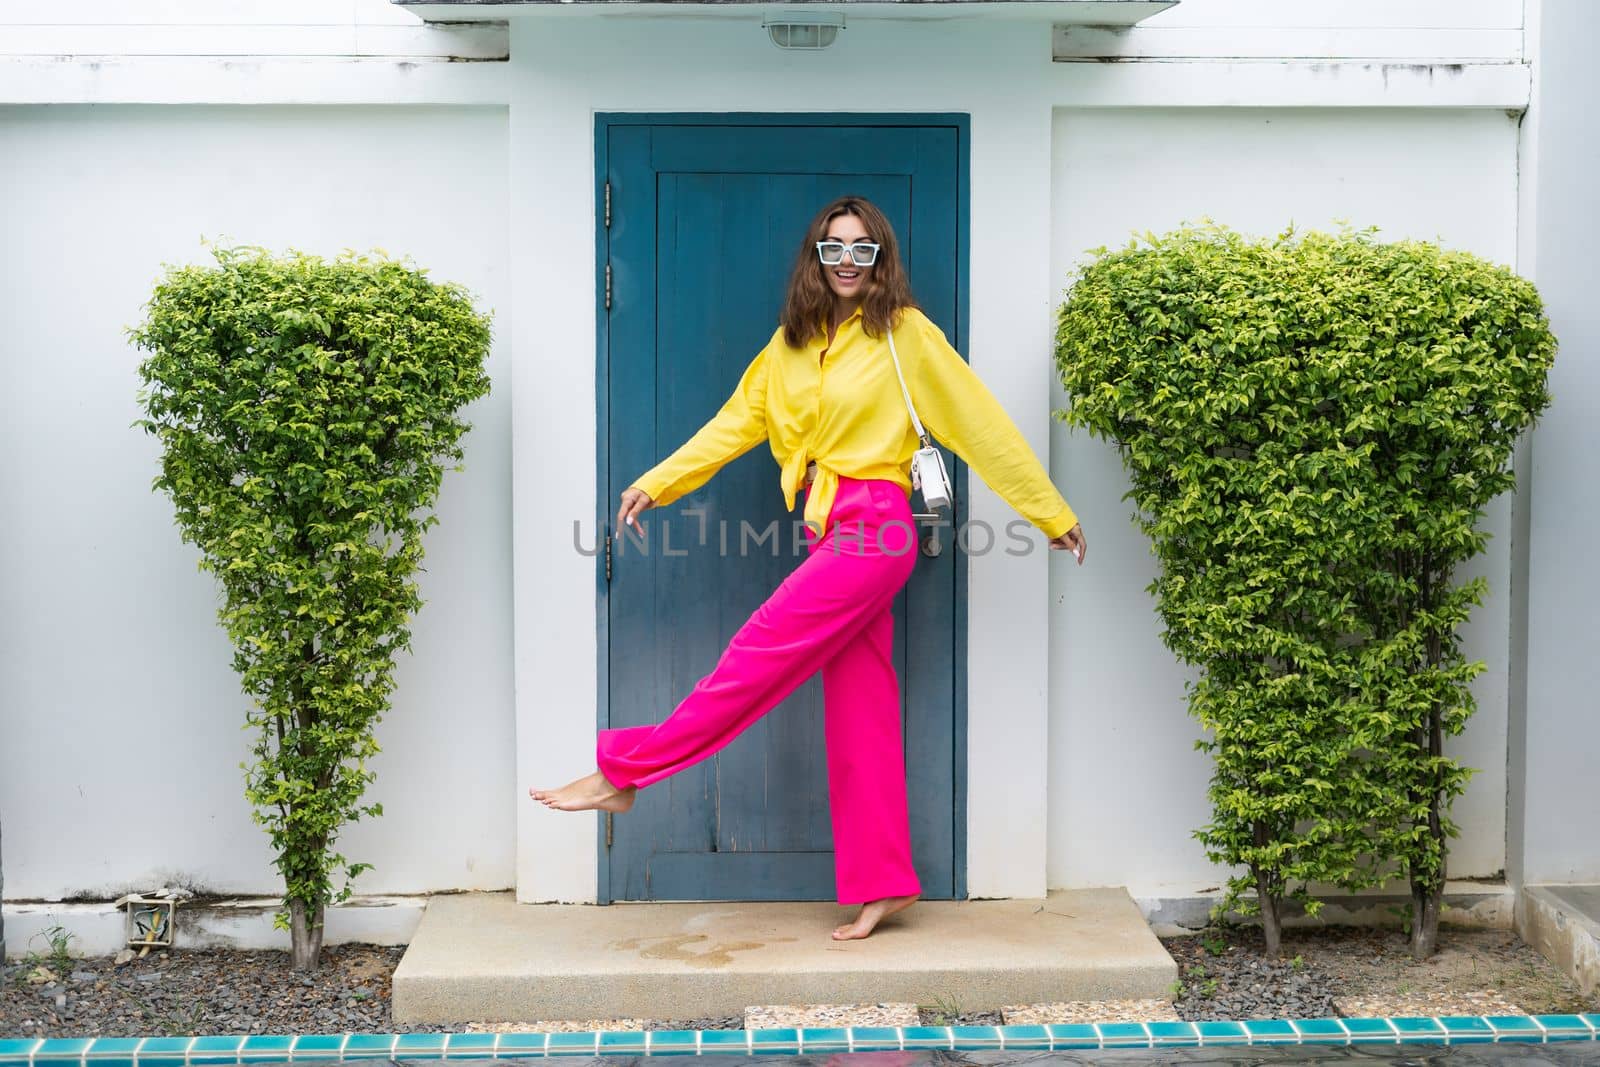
678,948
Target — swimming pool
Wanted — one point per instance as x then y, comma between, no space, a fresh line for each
1501,1039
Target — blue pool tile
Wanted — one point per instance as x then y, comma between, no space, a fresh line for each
977,1038
1072,1035
1416,1030
1592,1020
163,1051
1515,1028
310,1046
416,1045
724,1041
1222,1032
166,1046
265,1047
1025,1037
13,1048
573,1044
927,1036
1174,1034
1465,1030
1122,1035
619,1043
875,1038
825,1039
1320,1031
123,1047
215,1049
779,1041
64,1048
672,1043
105,1051
1565,1026
1271,1032
362,1046
1366,1030
465,1046
516,1045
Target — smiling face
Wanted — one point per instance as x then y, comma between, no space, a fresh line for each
848,281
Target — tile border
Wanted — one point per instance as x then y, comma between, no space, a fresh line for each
215,1050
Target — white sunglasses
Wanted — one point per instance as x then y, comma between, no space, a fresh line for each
862,253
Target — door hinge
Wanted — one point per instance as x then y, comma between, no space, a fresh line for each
608,829
608,557
608,205
608,287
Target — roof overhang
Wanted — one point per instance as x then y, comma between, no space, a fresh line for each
1061,12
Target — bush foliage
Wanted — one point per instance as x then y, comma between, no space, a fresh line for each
1313,425
304,408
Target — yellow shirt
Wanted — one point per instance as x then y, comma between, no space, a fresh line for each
842,407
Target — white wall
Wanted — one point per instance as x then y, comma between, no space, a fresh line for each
120,716
244,52
1556,728
1425,31
1127,787
249,28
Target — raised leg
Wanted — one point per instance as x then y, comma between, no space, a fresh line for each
815,612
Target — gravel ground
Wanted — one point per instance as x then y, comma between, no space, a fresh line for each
1359,971
1223,974
223,992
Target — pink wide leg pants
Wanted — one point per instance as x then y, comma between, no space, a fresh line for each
831,613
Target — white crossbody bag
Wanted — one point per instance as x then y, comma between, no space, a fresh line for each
927,463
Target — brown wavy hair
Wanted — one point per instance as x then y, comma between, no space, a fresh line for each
809,301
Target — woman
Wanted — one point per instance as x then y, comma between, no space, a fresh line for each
824,393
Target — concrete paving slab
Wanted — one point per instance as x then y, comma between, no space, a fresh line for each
482,956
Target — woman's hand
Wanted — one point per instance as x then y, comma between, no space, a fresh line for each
1073,540
635,502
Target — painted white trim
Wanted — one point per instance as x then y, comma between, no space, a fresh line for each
1291,85
203,80
1142,42
483,41
1096,12
203,13
1376,14
208,80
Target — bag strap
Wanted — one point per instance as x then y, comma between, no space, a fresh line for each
916,423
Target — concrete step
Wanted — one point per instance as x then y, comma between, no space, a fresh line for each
1563,923
483,957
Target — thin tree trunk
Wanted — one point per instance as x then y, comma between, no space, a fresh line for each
305,936
1271,921
1426,903
1427,890
1268,897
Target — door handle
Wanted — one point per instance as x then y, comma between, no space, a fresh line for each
930,544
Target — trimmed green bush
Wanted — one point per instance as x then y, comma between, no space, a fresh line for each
304,408
1313,426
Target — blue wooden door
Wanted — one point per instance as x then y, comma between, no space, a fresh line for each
705,217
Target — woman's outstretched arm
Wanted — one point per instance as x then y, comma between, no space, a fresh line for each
737,427
960,411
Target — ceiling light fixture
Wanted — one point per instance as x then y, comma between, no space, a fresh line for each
802,31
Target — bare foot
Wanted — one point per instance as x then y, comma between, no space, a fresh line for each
872,913
589,793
